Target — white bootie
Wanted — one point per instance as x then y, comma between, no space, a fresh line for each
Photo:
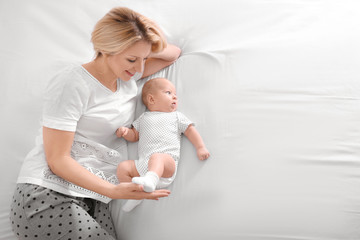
149,181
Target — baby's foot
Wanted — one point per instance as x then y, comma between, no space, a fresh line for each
149,181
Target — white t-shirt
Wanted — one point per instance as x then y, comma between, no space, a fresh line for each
76,101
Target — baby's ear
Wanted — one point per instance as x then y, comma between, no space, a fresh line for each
150,99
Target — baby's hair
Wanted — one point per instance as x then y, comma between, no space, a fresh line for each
149,87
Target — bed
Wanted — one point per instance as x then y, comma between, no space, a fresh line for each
272,85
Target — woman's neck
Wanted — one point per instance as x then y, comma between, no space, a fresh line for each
100,70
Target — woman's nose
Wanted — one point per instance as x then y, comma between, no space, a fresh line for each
139,67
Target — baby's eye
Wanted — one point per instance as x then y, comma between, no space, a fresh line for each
131,60
168,92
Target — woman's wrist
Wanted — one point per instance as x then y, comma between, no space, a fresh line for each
170,53
109,191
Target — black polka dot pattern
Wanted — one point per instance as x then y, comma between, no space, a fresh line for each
40,213
159,132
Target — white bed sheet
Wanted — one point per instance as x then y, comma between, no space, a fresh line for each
273,86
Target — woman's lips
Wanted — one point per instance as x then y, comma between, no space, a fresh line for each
130,74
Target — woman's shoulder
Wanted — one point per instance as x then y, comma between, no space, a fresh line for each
69,72
70,77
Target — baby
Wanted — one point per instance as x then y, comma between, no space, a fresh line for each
158,132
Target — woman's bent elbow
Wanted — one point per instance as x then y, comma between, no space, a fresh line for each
56,165
52,164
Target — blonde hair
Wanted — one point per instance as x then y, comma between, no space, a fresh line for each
120,28
149,88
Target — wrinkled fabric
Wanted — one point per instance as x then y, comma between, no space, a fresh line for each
273,87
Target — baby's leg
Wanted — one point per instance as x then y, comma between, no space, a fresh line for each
160,165
126,170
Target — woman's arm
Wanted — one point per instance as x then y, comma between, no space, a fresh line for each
57,145
158,61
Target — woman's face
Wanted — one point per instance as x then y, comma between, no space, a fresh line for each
125,64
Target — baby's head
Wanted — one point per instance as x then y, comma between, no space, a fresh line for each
159,95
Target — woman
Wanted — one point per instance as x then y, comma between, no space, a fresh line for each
67,180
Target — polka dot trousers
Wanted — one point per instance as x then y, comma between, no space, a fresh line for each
40,213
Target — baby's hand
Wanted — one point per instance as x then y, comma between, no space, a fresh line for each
203,153
122,131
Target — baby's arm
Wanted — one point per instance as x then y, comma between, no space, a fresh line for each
193,135
129,134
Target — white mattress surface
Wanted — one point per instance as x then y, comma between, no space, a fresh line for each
272,85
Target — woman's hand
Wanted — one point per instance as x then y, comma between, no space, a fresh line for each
129,190
158,61
170,54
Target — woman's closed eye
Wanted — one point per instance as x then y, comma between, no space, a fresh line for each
134,60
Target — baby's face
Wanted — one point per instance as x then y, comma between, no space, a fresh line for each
165,99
